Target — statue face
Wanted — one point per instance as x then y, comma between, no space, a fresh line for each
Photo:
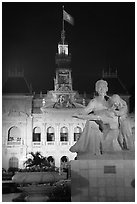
101,87
101,90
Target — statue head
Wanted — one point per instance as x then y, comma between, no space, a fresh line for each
101,87
115,100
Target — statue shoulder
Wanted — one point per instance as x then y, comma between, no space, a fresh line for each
93,101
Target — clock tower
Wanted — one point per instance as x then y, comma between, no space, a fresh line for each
63,95
63,80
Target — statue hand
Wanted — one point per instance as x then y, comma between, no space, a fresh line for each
74,116
80,116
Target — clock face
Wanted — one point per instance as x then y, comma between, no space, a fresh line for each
63,78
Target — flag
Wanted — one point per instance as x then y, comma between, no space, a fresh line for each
67,17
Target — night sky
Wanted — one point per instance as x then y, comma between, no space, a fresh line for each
103,36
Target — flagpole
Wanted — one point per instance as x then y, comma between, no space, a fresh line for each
63,25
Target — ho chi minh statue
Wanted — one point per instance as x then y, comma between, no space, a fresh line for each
107,126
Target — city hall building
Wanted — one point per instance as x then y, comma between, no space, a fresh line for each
43,122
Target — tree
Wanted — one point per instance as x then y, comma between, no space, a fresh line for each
37,162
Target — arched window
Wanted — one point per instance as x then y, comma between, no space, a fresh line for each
14,135
77,133
51,160
64,159
64,134
64,162
50,134
13,162
36,134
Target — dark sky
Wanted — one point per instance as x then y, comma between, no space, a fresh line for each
103,36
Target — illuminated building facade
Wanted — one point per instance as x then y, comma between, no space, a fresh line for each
43,122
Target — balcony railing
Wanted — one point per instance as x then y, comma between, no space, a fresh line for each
12,143
36,143
50,143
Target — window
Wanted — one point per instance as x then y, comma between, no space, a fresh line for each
36,134
64,163
51,160
14,135
64,134
63,49
77,133
13,162
50,134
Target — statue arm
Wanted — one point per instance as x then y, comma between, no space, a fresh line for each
97,115
86,110
89,107
88,117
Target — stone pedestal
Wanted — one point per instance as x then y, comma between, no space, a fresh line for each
103,178
121,155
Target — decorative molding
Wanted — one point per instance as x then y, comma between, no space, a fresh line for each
15,114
